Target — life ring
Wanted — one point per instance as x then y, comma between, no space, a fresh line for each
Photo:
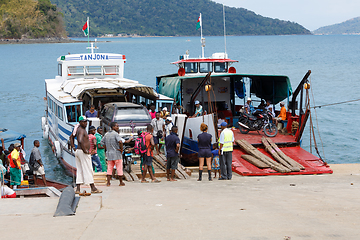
46,132
57,149
43,123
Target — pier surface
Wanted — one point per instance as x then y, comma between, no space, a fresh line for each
272,207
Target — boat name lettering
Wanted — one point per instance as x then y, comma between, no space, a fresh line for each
94,57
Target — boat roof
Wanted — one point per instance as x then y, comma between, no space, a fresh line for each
192,60
10,135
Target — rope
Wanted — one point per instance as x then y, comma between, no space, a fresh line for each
317,125
331,104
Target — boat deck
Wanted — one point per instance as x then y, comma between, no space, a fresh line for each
287,144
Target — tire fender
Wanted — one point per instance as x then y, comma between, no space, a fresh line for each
43,123
46,132
57,149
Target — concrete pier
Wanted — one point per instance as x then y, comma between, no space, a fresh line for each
272,207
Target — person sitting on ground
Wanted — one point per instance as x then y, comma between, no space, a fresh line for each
282,115
164,113
7,192
249,109
172,149
96,164
198,109
35,162
91,112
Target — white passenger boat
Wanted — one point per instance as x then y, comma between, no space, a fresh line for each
84,80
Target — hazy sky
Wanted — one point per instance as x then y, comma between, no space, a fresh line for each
311,14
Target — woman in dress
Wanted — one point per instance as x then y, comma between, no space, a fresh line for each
204,144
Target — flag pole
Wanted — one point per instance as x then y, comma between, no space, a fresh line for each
224,27
202,39
88,25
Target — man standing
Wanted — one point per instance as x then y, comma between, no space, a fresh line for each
148,156
15,167
84,172
93,150
225,152
101,149
114,147
172,148
91,113
158,131
35,161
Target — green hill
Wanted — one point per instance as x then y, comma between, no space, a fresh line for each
351,26
167,18
30,19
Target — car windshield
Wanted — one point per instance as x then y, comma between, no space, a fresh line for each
136,114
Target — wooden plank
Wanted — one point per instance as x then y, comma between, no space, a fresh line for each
254,161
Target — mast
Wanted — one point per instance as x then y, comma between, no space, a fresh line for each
224,28
202,40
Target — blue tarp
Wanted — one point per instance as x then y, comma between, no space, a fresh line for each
10,135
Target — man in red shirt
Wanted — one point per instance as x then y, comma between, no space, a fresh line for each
148,156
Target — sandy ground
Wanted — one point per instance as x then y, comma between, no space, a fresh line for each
276,207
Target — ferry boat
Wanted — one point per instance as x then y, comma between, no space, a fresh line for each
222,92
90,79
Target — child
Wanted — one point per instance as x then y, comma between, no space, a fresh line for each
215,159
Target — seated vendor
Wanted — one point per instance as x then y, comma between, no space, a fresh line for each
198,110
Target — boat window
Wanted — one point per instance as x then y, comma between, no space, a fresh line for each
49,103
55,108
73,113
75,70
60,69
205,67
220,67
93,70
135,114
111,70
191,67
60,113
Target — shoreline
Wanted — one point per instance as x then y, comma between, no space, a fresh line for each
38,40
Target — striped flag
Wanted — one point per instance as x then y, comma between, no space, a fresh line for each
198,23
85,28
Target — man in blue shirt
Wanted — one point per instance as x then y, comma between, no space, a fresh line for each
172,143
91,113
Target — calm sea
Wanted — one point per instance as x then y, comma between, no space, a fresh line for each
333,60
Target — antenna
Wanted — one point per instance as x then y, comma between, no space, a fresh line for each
224,28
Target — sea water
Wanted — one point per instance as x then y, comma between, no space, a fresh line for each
333,60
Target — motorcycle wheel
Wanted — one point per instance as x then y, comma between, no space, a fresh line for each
242,129
128,167
270,130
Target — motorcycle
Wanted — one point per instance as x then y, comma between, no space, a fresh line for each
257,121
127,158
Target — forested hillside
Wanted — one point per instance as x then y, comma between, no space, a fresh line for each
167,18
351,26
30,19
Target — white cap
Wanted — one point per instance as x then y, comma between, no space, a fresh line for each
169,119
164,109
249,99
282,103
197,102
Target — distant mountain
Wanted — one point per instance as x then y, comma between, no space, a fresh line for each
351,26
167,18
30,19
